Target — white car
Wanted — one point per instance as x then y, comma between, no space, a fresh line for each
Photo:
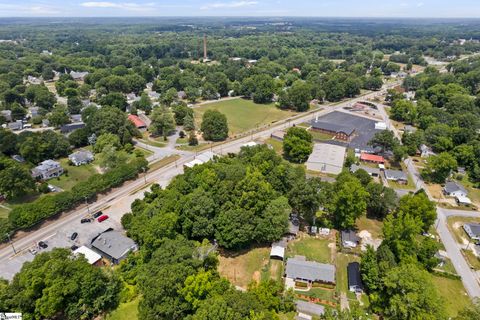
32,251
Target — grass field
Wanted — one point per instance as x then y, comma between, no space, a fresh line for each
320,136
74,175
244,267
371,225
163,162
276,145
453,294
455,225
342,277
312,248
244,115
4,212
125,311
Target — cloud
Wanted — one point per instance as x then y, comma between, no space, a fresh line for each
131,6
26,10
234,4
420,4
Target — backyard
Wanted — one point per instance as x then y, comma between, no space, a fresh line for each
73,175
244,115
246,266
452,293
125,311
314,249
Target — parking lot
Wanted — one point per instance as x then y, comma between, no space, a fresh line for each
364,128
61,237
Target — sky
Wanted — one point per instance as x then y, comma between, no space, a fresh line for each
310,8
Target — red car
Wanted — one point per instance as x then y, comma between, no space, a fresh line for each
102,218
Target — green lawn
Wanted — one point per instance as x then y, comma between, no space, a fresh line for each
276,145
320,136
244,115
4,212
125,311
163,162
146,153
473,193
153,143
371,225
342,278
312,248
453,294
243,267
73,176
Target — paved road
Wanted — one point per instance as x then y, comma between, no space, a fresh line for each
469,277
134,190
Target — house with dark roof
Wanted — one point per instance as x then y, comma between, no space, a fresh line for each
349,239
69,128
113,245
340,132
396,175
81,157
454,189
473,230
300,270
374,172
354,277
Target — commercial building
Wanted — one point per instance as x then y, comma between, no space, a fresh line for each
327,158
113,245
340,132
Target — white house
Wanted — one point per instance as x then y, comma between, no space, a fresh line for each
81,157
454,189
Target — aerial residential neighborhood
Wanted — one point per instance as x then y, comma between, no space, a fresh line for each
240,160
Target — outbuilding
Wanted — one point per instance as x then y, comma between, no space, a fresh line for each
354,277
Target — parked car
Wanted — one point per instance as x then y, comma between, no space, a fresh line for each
74,247
102,218
85,220
32,251
74,236
42,245
97,214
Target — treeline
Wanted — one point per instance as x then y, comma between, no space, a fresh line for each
235,200
27,215
447,114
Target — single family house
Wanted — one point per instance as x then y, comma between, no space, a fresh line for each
81,157
47,169
300,270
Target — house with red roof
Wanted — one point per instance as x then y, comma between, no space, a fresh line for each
137,122
372,158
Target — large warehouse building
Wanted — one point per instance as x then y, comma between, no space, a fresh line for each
327,158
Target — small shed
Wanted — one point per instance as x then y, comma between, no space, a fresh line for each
278,250
354,277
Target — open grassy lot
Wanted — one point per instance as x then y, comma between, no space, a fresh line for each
163,162
453,294
312,248
473,193
455,224
244,267
320,136
341,273
74,175
276,145
125,311
244,115
373,226
4,212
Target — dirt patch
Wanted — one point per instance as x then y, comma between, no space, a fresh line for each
367,239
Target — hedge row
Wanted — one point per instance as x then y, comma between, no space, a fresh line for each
29,214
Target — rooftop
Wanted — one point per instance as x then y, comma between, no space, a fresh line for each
89,254
136,121
333,127
372,158
299,268
452,186
114,244
395,175
354,278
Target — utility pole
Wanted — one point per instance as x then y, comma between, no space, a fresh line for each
145,175
11,243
